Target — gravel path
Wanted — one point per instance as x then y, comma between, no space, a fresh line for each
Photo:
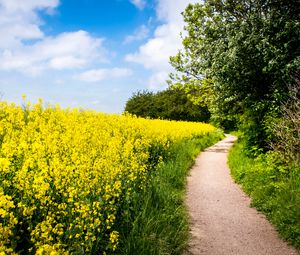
221,220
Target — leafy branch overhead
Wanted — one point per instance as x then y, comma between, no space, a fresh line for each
248,49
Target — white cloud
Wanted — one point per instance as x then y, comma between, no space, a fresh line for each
154,54
28,5
158,80
19,22
65,51
139,3
66,62
141,33
96,75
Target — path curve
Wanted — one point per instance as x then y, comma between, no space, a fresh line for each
222,222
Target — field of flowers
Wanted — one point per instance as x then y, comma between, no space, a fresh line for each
68,176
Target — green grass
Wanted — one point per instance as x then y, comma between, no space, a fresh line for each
159,224
273,186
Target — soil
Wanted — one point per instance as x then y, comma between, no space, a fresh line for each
221,219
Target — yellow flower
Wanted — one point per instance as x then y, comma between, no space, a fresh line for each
66,172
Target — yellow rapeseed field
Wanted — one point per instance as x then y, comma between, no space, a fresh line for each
67,174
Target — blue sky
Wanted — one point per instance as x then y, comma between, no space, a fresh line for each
86,53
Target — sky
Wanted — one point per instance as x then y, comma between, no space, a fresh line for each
91,54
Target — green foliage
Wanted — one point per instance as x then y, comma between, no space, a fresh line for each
249,49
286,130
160,223
172,104
141,104
274,187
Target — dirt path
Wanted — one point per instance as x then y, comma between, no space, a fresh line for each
222,222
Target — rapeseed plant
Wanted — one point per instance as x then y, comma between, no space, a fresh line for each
68,175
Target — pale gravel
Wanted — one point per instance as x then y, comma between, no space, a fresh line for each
221,219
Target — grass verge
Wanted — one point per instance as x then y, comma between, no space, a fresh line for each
159,224
273,186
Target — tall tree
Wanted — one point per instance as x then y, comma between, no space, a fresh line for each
248,49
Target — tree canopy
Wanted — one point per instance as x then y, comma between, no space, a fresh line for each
246,52
172,104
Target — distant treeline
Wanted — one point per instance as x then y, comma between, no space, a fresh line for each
171,104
